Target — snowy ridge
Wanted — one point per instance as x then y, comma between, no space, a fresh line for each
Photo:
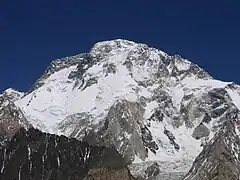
10,95
179,101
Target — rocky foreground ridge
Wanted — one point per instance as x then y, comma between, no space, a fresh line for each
35,155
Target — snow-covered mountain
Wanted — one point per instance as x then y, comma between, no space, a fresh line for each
151,106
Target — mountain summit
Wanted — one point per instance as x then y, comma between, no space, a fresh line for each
159,111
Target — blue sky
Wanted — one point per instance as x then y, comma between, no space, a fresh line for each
33,33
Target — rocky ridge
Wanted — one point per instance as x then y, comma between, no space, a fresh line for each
11,116
35,155
220,158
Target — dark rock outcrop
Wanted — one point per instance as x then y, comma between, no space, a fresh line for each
171,138
148,141
200,131
152,171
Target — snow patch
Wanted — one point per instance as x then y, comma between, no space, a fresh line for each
177,94
191,82
235,96
149,110
182,65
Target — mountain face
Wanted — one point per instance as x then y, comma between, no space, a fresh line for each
163,114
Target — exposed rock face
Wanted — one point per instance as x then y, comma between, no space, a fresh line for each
171,139
35,155
220,159
200,131
122,125
148,141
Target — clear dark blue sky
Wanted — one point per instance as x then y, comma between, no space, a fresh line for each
33,33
